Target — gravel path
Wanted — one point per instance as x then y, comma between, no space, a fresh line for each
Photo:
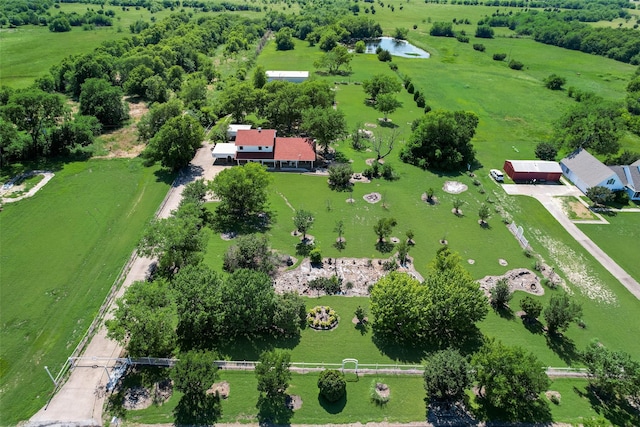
545,194
80,400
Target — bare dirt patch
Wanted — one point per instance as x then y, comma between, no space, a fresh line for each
454,187
136,398
553,396
123,142
293,402
519,279
383,390
222,388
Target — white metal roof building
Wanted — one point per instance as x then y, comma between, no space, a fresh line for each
289,76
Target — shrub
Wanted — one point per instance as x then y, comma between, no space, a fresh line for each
532,307
484,32
375,396
546,151
516,65
388,173
554,82
384,55
410,88
499,56
479,47
390,265
360,46
462,39
501,294
332,385
420,102
315,256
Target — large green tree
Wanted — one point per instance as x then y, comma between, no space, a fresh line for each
249,301
176,142
560,312
441,140
381,84
35,112
396,306
201,311
336,58
157,116
251,251
145,320
177,241
238,99
447,374
242,191
454,302
325,125
594,123
101,99
511,379
272,372
612,374
194,373
387,104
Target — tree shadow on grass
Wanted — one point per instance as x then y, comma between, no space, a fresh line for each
384,247
537,411
532,325
200,410
415,351
165,176
564,347
617,410
274,410
226,223
387,124
362,327
505,312
246,348
333,407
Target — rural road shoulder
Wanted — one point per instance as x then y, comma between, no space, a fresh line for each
80,400
545,194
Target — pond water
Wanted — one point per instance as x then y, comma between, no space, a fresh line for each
396,47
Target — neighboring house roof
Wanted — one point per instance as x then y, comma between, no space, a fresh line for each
636,163
300,149
535,166
286,74
224,149
629,175
256,137
590,170
235,128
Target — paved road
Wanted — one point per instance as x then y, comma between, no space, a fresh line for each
80,400
545,194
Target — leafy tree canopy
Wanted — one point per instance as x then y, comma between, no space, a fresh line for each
273,372
176,142
512,379
242,191
441,140
447,374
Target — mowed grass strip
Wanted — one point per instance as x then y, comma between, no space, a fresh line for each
406,404
620,239
61,251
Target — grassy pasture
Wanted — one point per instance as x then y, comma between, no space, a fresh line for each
61,251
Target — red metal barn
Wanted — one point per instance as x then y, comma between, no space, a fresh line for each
528,170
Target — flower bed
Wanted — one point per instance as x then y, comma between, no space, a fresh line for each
321,317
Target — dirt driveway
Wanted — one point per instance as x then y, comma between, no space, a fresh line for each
80,400
545,194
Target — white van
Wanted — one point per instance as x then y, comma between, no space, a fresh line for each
497,175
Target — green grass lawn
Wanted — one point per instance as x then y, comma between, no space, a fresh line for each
620,240
406,404
61,251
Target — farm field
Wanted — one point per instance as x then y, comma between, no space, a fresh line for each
61,251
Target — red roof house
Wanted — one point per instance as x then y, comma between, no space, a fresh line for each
262,145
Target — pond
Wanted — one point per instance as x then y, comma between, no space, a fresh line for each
396,47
